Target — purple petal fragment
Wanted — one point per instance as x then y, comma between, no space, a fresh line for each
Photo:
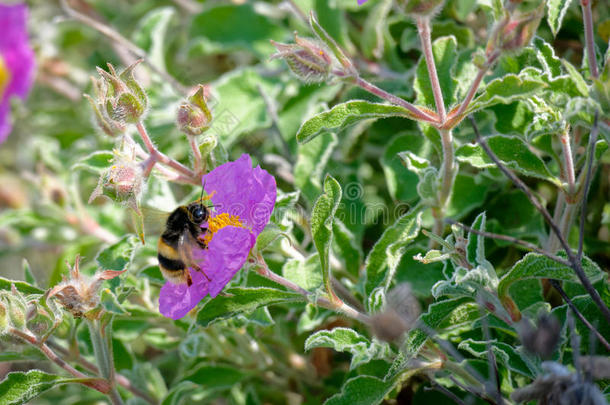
244,191
17,57
175,301
226,254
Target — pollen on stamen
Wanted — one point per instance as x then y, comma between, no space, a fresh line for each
220,221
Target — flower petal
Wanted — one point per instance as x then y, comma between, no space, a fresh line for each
17,57
244,191
175,301
226,254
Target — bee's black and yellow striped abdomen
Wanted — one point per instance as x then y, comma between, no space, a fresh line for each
179,223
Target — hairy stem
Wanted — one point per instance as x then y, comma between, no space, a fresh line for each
587,17
587,182
338,306
98,385
570,178
423,28
575,263
103,355
371,88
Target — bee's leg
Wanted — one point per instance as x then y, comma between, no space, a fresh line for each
185,245
189,280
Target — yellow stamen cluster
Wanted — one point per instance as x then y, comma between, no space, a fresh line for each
220,221
5,76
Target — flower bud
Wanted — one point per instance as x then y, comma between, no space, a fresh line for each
421,8
516,32
122,181
122,97
308,59
3,318
14,307
207,144
194,117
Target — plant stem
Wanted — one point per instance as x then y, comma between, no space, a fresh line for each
120,379
587,182
158,156
102,350
423,27
511,239
196,155
568,164
575,263
339,306
448,177
418,114
587,17
98,385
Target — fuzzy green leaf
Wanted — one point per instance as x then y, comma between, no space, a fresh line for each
348,340
385,255
118,256
19,388
556,11
505,90
322,218
311,161
534,265
343,115
511,151
361,390
239,300
445,56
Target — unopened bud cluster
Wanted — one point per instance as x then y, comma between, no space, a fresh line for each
307,58
119,99
194,116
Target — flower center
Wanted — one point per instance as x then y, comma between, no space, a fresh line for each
5,76
218,222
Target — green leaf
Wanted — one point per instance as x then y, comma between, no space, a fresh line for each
240,300
374,30
270,234
151,32
179,393
118,256
348,340
95,162
506,355
19,388
21,286
311,161
240,107
346,246
445,57
475,249
346,114
556,11
213,376
534,265
512,151
27,273
385,255
402,183
326,38
437,313
306,273
213,30
362,390
505,90
322,218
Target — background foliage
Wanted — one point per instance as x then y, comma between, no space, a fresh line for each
357,183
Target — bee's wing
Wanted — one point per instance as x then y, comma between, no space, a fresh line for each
154,220
186,245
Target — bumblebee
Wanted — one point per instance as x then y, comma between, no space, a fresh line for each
183,232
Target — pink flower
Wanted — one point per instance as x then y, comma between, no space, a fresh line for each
16,61
243,198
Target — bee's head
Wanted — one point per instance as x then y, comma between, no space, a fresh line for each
198,212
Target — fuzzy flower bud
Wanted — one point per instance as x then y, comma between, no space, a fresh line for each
421,8
122,181
122,97
14,307
308,59
517,31
194,117
79,294
3,319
